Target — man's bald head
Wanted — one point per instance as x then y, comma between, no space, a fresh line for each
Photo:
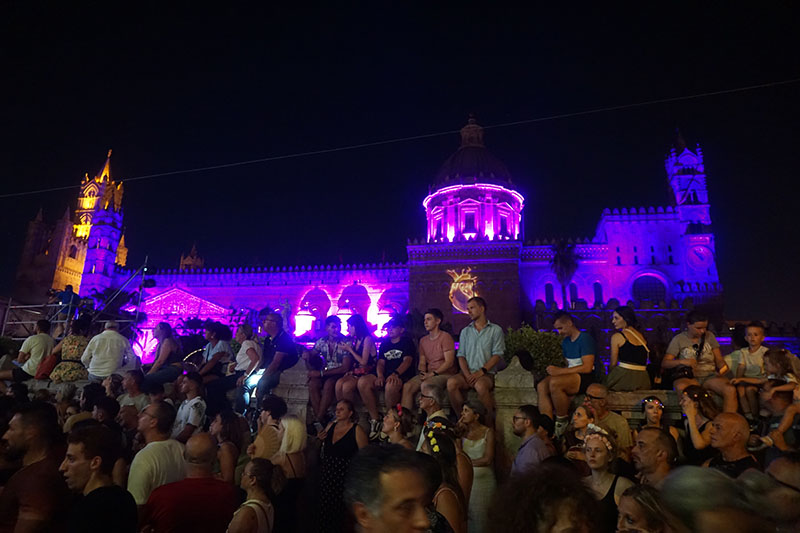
729,430
201,449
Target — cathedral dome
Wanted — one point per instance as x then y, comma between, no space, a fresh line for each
472,162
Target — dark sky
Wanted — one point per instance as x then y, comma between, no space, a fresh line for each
177,88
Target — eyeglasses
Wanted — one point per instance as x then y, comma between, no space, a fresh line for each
145,413
515,418
426,396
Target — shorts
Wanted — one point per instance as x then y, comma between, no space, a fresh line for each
18,375
586,380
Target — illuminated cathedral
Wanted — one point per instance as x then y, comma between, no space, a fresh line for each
655,257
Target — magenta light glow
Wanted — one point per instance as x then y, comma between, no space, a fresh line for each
488,187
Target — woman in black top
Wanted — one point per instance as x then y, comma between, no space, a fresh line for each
601,450
341,441
699,410
629,353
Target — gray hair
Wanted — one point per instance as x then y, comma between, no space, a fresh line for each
434,392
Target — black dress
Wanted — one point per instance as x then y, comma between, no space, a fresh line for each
608,509
287,504
335,458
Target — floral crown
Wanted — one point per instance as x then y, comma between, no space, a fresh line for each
599,433
654,400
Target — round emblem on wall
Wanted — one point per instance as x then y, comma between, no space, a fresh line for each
700,257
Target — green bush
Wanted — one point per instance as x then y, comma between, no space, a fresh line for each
544,349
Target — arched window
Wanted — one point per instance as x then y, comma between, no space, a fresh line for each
598,293
549,297
650,288
73,251
573,292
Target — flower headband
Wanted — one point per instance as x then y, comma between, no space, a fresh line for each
653,400
399,408
600,433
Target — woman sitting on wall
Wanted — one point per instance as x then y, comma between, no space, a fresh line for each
169,362
629,353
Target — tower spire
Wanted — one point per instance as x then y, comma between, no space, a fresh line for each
106,172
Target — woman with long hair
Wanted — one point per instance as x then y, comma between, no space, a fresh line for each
448,499
640,510
478,444
397,424
169,363
225,428
629,353
699,410
256,514
217,353
653,411
361,347
607,487
291,458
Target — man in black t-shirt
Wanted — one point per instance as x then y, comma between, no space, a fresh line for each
279,353
87,466
395,367
729,435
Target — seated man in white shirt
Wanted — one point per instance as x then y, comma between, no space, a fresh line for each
192,411
34,349
107,353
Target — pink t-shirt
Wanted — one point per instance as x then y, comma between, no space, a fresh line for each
433,350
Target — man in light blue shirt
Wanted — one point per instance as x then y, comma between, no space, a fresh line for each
481,346
533,450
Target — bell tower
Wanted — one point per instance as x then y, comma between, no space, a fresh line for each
99,221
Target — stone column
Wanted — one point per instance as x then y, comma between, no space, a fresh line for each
293,388
513,387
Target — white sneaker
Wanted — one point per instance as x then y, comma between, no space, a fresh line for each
374,429
560,427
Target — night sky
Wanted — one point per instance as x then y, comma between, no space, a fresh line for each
176,88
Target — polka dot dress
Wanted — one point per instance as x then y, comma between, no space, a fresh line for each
334,460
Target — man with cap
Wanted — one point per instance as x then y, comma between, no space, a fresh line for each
394,369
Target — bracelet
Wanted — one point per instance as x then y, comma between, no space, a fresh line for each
484,370
435,373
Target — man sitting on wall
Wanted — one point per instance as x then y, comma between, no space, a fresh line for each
562,384
437,358
34,349
481,346
327,362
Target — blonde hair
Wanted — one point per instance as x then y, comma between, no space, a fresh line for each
294,435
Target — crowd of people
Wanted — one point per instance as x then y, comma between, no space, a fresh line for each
210,447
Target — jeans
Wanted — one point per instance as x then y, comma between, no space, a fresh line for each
165,374
265,386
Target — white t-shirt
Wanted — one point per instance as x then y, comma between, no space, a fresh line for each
139,402
190,412
753,362
242,359
38,346
156,464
